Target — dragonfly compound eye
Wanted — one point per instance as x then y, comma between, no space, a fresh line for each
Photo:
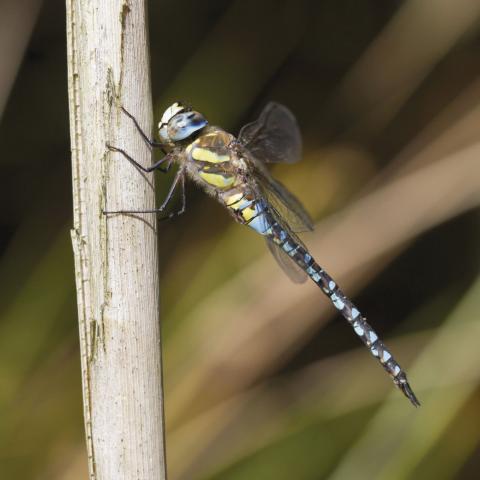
183,125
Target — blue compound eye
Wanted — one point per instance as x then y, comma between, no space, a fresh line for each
183,125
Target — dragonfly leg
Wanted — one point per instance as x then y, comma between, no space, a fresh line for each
184,203
168,159
148,140
179,176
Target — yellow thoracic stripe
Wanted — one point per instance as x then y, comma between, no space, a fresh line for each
217,179
205,155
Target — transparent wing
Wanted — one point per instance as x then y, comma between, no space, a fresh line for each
286,204
295,273
289,214
274,136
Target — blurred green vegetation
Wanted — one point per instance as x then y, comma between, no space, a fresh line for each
263,380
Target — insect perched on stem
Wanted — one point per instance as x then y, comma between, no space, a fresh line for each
233,170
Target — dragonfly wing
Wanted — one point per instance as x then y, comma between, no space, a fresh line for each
294,272
287,205
274,137
284,204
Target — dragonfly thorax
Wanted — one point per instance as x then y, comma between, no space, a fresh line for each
179,123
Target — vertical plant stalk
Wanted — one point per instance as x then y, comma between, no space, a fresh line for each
115,256
17,19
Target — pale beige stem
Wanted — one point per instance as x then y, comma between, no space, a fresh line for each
115,256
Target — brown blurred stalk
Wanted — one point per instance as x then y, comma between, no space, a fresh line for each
17,19
115,256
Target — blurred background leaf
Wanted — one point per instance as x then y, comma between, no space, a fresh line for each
263,379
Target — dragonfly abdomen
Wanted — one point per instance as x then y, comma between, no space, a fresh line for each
300,255
255,213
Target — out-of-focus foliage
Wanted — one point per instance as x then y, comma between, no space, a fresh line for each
262,379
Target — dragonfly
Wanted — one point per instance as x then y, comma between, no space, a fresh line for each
233,170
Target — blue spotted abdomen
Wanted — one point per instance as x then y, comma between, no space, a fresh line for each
255,213
265,224
303,259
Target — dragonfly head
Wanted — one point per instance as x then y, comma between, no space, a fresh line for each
179,122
